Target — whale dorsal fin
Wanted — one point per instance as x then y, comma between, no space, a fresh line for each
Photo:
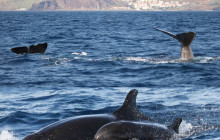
129,111
176,124
130,102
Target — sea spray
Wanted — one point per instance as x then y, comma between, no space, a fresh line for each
6,135
185,127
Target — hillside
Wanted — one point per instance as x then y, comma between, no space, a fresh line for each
77,4
11,5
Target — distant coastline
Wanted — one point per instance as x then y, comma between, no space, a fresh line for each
108,10
111,5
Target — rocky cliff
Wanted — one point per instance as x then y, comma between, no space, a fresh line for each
45,5
77,5
11,5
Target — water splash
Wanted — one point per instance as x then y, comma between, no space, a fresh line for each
6,135
185,127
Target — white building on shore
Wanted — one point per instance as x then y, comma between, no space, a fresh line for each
154,4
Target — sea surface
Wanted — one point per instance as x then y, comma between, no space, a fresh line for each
94,59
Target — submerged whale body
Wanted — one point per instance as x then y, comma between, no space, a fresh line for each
185,39
40,48
85,127
127,130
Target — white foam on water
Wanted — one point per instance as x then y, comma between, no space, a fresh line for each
61,61
82,53
164,60
205,59
6,135
137,59
152,60
155,60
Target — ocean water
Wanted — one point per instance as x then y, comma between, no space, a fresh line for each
95,58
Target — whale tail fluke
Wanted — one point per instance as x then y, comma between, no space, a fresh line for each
176,124
20,50
185,38
40,48
168,33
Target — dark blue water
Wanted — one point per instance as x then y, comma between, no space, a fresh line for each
95,58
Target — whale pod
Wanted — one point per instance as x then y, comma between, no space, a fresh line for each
85,127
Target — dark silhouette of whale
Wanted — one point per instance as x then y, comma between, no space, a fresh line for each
127,130
85,127
185,39
40,48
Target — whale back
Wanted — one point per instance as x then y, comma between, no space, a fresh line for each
124,130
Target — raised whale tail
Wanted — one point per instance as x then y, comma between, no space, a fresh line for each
176,124
40,48
184,38
20,50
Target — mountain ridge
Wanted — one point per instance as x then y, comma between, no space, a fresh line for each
76,4
68,5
